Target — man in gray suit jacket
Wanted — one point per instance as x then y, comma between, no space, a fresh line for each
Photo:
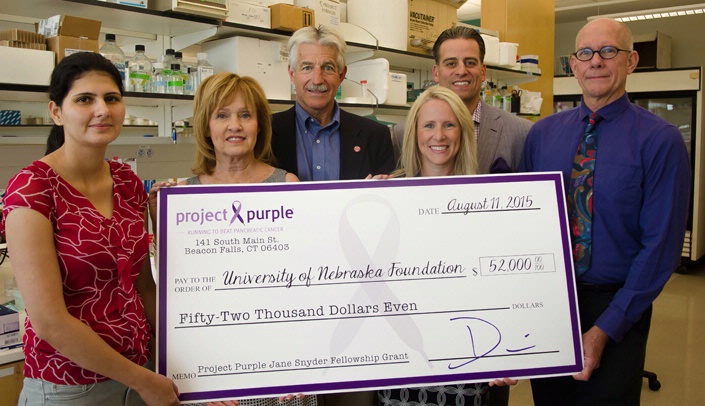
459,53
316,139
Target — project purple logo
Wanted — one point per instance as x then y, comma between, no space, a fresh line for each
203,216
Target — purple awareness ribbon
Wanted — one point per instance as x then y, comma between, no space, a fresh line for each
237,215
355,253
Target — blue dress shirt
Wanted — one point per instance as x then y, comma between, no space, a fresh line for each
641,196
317,148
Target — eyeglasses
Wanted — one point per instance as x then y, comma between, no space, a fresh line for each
607,52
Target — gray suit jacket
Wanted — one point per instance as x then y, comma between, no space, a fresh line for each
500,143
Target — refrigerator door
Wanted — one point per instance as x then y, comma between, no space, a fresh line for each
676,109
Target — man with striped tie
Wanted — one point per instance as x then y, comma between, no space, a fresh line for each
627,183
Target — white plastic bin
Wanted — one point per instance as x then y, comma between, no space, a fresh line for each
508,54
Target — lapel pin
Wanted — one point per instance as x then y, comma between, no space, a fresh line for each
356,149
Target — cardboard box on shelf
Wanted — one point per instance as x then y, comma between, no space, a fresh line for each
22,36
249,14
327,11
10,340
25,45
427,19
9,319
286,17
70,35
11,377
25,66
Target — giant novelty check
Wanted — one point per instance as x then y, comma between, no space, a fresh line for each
340,286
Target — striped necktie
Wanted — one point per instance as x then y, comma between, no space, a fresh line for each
580,197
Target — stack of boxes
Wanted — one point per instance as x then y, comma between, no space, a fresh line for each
15,46
284,15
23,60
67,35
22,39
28,58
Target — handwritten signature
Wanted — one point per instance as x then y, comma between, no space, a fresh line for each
480,345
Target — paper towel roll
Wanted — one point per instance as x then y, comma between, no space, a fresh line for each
383,19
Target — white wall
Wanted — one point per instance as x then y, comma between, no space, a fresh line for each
688,41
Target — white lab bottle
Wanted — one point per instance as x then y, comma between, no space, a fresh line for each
203,69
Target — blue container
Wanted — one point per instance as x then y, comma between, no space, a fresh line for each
10,117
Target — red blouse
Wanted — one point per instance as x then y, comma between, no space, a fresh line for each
99,258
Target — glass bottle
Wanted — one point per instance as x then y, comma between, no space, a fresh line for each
506,99
183,66
174,82
488,93
140,70
112,52
158,79
496,98
167,59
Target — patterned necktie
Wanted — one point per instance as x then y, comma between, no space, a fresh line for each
580,197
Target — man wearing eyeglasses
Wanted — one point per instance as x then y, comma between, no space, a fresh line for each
627,180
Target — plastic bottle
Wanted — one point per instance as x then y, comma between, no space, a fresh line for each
174,81
506,99
496,98
158,79
167,59
140,70
112,52
203,69
193,79
179,57
488,93
363,84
